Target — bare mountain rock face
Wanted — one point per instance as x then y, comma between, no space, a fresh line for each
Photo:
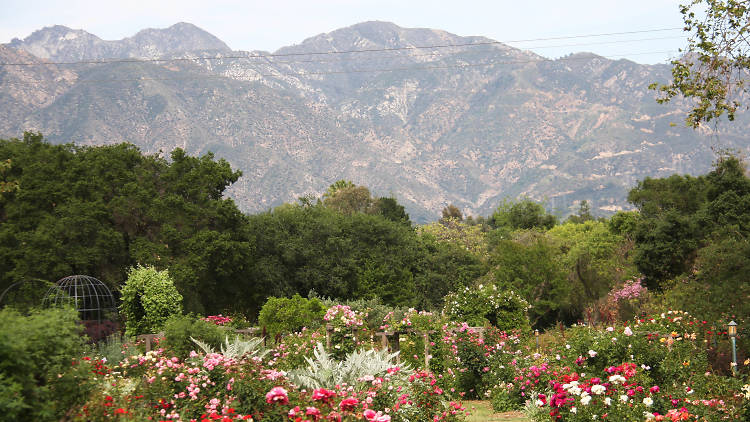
467,125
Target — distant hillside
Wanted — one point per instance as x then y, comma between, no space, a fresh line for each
468,125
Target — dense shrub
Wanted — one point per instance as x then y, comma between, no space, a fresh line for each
38,376
281,315
180,328
486,304
149,298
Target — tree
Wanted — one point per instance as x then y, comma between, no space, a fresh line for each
349,199
452,212
149,298
584,213
714,66
525,215
6,186
680,215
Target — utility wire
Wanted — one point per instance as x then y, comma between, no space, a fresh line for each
338,72
321,53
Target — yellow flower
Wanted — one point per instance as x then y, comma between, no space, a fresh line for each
686,363
662,339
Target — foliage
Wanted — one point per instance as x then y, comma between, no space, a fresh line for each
179,330
487,304
303,248
525,214
452,212
584,214
149,298
445,266
347,329
458,233
6,186
214,387
712,70
100,210
112,349
693,231
289,315
595,259
531,267
38,373
324,371
237,349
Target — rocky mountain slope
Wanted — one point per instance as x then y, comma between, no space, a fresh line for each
468,125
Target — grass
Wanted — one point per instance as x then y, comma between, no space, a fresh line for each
481,411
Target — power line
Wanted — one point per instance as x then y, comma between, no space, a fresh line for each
321,53
354,71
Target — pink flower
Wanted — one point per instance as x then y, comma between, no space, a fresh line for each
371,416
294,412
654,389
322,394
277,395
348,405
312,411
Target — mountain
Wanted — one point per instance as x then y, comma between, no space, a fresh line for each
60,43
464,124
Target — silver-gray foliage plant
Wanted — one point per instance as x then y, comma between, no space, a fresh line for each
323,371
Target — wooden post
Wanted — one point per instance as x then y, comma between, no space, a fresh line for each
383,340
329,328
148,342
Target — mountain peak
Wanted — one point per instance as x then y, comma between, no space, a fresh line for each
179,37
379,34
59,42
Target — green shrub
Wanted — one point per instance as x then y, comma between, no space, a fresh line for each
281,315
149,298
180,328
36,355
486,304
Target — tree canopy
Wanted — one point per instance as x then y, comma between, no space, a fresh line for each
714,65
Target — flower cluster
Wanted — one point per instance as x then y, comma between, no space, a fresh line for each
218,319
345,315
631,289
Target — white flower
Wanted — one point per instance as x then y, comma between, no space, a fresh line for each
567,346
648,401
617,379
649,416
592,353
610,329
598,389
628,331
557,357
539,403
607,401
624,398
573,410
585,399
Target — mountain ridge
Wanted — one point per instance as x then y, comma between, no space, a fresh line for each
468,125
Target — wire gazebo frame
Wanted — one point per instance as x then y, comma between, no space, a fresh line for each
92,299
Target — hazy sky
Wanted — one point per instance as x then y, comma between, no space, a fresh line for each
268,25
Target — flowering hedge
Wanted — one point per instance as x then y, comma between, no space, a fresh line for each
214,387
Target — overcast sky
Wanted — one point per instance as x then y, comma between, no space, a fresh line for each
268,25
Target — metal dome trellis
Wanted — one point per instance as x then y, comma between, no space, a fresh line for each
92,299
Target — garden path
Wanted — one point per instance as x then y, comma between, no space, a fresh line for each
481,411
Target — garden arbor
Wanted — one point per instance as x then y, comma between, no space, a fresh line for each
92,299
